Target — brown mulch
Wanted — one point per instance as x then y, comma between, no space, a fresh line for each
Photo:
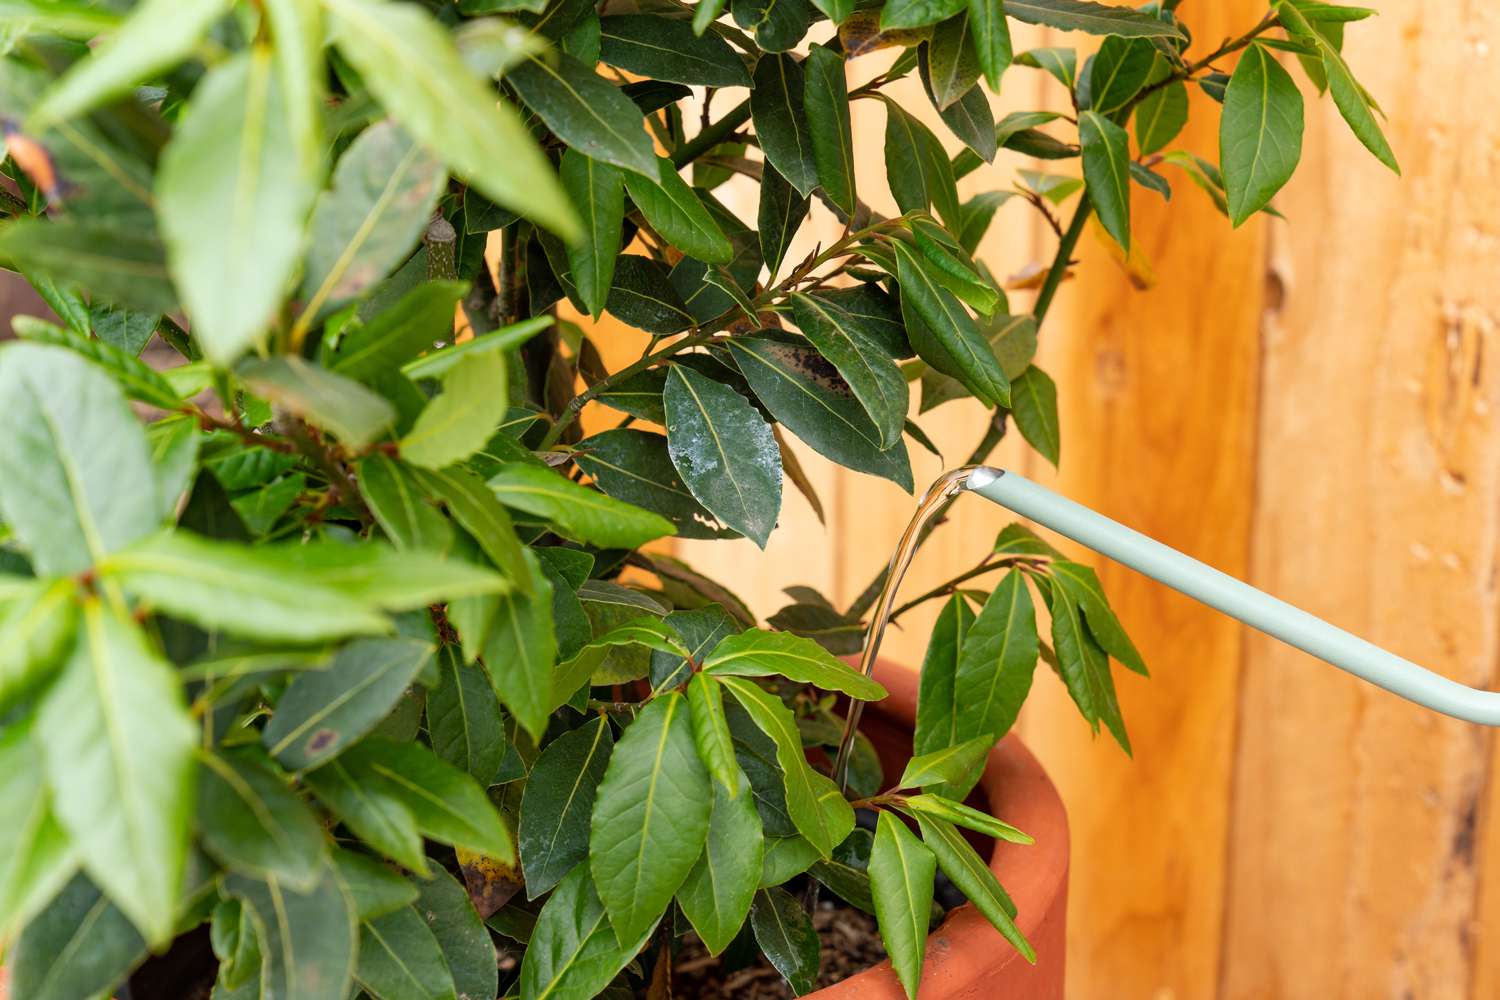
851,944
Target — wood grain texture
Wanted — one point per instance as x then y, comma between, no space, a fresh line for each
1357,857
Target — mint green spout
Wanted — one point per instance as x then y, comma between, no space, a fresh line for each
1239,600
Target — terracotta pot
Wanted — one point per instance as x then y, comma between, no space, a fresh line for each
967,959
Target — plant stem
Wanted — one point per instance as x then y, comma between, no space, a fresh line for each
1059,268
711,136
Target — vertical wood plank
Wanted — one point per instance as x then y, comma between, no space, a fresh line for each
1355,863
1158,394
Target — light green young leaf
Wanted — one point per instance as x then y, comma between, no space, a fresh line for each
675,211
460,419
384,190
139,380
66,18
576,511
598,190
573,952
436,363
991,39
297,31
587,112
650,818
757,653
1350,98
902,871
816,805
559,799
119,760
157,35
233,196
323,712
786,934
974,879
938,707
996,664
1260,133
356,415
724,451
717,894
1082,583
1106,161
966,816
397,334
711,733
76,480
411,65
36,856
954,764
252,823
475,508
826,104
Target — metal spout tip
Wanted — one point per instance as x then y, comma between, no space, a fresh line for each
981,476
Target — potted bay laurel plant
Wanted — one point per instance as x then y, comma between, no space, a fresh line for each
336,658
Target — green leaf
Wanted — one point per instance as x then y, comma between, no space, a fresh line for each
76,479
447,804
399,959
955,346
784,858
758,653
1094,18
308,940
725,452
598,191
250,591
855,346
952,61
36,857
991,39
573,953
558,801
1084,666
400,506
1033,401
375,887
717,894
464,721
68,18
233,196
1260,133
813,401
780,213
467,948
938,707
396,334
778,25
700,629
1350,98
778,111
635,466
1106,161
1119,71
826,104
786,934
974,879
253,824
356,415
576,512
459,420
674,211
959,276
158,34
409,62
666,48
996,663
296,27
375,814
81,945
650,819
711,733
1082,583
961,762
325,711
123,266
587,112
119,759
917,167
475,508
969,118
816,805
522,649
1160,117
36,631
902,871
644,298
384,190
123,329
967,817
898,14
138,380
439,362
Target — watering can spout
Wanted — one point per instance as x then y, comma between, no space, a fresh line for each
1233,597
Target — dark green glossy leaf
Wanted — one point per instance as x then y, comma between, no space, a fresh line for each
724,451
573,953
854,342
968,117
1083,584
781,212
917,167
81,945
674,211
902,871
1033,402
252,823
1084,666
464,720
1094,18
1160,116
374,813
898,14
1118,72
1260,133
826,102
944,334
1350,98
1106,160
786,934
778,109
651,816
667,48
598,190
559,799
465,943
375,887
635,466
952,61
991,39
587,112
521,650
778,25
399,959
308,940
643,297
